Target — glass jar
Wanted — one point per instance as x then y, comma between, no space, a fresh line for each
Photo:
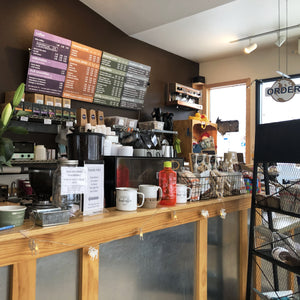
66,201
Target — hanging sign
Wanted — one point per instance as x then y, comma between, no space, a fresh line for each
283,90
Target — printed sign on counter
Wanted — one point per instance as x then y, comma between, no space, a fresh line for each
74,179
82,72
48,63
111,80
94,195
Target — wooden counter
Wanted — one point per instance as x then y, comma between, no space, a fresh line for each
83,232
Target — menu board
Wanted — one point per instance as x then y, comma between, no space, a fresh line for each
82,72
111,80
64,68
48,63
135,85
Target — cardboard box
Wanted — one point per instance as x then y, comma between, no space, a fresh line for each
27,106
100,117
73,114
9,96
57,101
58,113
49,100
91,117
66,113
34,98
66,103
81,116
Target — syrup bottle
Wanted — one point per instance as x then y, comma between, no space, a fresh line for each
167,181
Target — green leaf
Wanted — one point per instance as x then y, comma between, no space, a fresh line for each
6,149
18,95
6,114
17,129
21,113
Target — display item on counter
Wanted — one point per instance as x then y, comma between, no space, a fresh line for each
183,193
125,151
107,147
91,117
66,102
57,101
81,116
66,200
152,194
48,100
192,181
167,181
127,198
34,98
40,152
100,117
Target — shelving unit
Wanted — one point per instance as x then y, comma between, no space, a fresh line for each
184,96
274,244
192,130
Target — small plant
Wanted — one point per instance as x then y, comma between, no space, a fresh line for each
6,144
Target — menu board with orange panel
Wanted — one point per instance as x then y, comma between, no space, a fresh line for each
82,72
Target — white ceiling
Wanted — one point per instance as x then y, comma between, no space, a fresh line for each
201,30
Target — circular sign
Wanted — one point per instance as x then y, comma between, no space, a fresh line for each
283,90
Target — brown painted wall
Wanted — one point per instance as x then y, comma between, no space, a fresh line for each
73,20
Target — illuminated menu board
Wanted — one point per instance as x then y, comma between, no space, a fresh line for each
48,63
82,72
135,85
65,68
111,80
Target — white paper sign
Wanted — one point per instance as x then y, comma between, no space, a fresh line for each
94,195
73,180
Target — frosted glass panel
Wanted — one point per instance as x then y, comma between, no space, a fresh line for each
57,276
223,258
4,283
159,267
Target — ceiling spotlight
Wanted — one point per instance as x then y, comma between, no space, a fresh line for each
280,41
250,48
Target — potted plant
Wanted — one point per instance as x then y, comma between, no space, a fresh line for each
6,144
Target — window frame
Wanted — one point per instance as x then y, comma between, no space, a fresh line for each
247,83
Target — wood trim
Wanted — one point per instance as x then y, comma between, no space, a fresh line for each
200,285
246,81
243,250
89,276
23,280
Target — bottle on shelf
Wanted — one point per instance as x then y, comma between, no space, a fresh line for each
167,181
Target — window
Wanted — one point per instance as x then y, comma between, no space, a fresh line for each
228,102
273,111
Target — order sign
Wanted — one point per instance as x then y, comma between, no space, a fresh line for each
283,90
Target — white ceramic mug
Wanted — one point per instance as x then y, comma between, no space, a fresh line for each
153,194
126,198
182,193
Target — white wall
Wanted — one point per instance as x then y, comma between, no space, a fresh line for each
258,65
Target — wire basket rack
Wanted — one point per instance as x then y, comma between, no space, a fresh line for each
212,186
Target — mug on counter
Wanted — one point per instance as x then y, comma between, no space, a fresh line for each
182,193
152,194
127,198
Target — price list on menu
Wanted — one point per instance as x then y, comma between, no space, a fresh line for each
82,72
135,85
48,63
111,80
